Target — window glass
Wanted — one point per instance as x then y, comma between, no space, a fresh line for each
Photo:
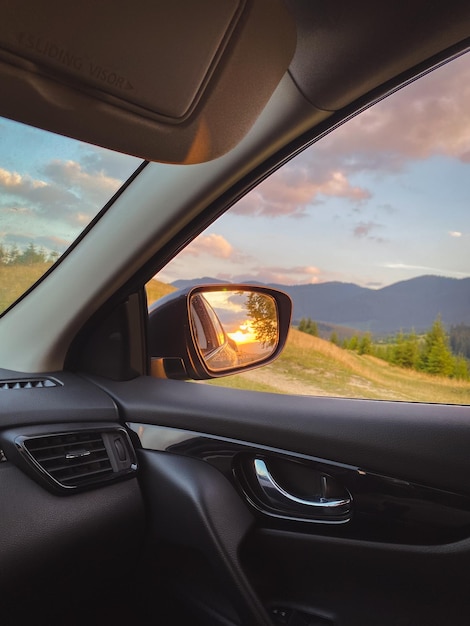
51,187
369,232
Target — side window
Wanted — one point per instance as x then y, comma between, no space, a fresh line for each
368,231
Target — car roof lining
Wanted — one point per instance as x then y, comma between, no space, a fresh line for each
344,50
347,49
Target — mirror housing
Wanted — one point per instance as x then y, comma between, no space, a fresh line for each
211,331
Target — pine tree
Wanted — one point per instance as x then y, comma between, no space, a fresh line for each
334,338
461,369
353,343
3,255
312,328
405,352
436,357
365,344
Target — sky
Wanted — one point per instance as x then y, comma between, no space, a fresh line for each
51,187
383,198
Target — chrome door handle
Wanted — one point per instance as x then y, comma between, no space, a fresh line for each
281,499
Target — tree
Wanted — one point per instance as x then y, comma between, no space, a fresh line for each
306,325
312,328
459,340
405,352
32,255
334,338
461,370
365,344
3,255
263,317
13,255
353,343
436,357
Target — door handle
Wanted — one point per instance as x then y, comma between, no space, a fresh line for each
282,500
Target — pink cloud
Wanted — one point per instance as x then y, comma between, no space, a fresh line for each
279,275
212,245
291,190
412,124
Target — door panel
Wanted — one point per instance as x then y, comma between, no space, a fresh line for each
402,558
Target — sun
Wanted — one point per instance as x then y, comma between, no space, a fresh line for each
243,334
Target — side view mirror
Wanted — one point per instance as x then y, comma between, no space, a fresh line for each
216,330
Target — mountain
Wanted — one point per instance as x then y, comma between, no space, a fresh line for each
195,282
409,304
406,305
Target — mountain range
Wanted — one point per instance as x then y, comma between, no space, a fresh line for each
406,305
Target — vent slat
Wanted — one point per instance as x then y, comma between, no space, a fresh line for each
98,444
42,458
77,477
30,383
50,452
78,463
57,440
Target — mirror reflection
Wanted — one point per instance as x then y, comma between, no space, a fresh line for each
233,327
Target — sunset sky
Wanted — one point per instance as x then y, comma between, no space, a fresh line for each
383,198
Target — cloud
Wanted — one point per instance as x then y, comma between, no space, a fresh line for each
455,233
96,187
278,275
363,230
51,243
34,193
81,218
431,270
430,117
15,210
293,189
95,160
213,245
66,192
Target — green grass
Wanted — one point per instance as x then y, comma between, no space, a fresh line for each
313,366
16,279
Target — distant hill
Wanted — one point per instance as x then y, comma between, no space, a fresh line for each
409,304
195,282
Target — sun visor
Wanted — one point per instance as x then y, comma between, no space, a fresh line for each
173,81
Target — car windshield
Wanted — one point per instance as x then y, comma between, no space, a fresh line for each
51,188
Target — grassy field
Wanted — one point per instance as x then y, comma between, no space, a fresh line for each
156,290
308,366
16,279
313,366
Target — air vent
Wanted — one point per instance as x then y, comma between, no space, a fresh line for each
79,459
33,383
72,459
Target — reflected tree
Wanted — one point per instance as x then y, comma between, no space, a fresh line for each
263,318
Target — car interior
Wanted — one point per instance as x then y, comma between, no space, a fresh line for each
129,492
